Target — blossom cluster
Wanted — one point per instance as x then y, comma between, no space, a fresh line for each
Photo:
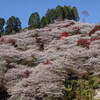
31,72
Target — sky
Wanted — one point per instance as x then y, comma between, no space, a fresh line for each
24,8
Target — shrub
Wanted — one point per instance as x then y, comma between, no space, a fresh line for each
83,43
32,63
47,62
96,28
63,34
93,39
70,72
76,30
72,23
81,88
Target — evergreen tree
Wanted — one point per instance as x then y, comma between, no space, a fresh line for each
43,22
34,21
2,23
50,16
60,12
74,14
67,12
13,25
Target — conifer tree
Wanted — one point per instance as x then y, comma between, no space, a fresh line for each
43,22
60,12
2,23
13,25
34,21
74,14
50,16
67,10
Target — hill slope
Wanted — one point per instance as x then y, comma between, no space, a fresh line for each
30,72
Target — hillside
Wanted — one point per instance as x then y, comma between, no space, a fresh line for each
31,72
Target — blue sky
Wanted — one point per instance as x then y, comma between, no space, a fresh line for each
24,8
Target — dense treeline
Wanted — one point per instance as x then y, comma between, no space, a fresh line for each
13,25
53,15
60,13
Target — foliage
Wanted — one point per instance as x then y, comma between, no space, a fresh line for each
83,43
80,86
30,63
54,98
34,21
2,23
43,22
71,13
63,34
67,12
60,12
68,54
96,28
74,13
50,16
33,62
13,25
68,25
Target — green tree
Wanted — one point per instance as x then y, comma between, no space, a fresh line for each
13,25
60,12
50,16
34,21
67,12
74,14
2,23
43,22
